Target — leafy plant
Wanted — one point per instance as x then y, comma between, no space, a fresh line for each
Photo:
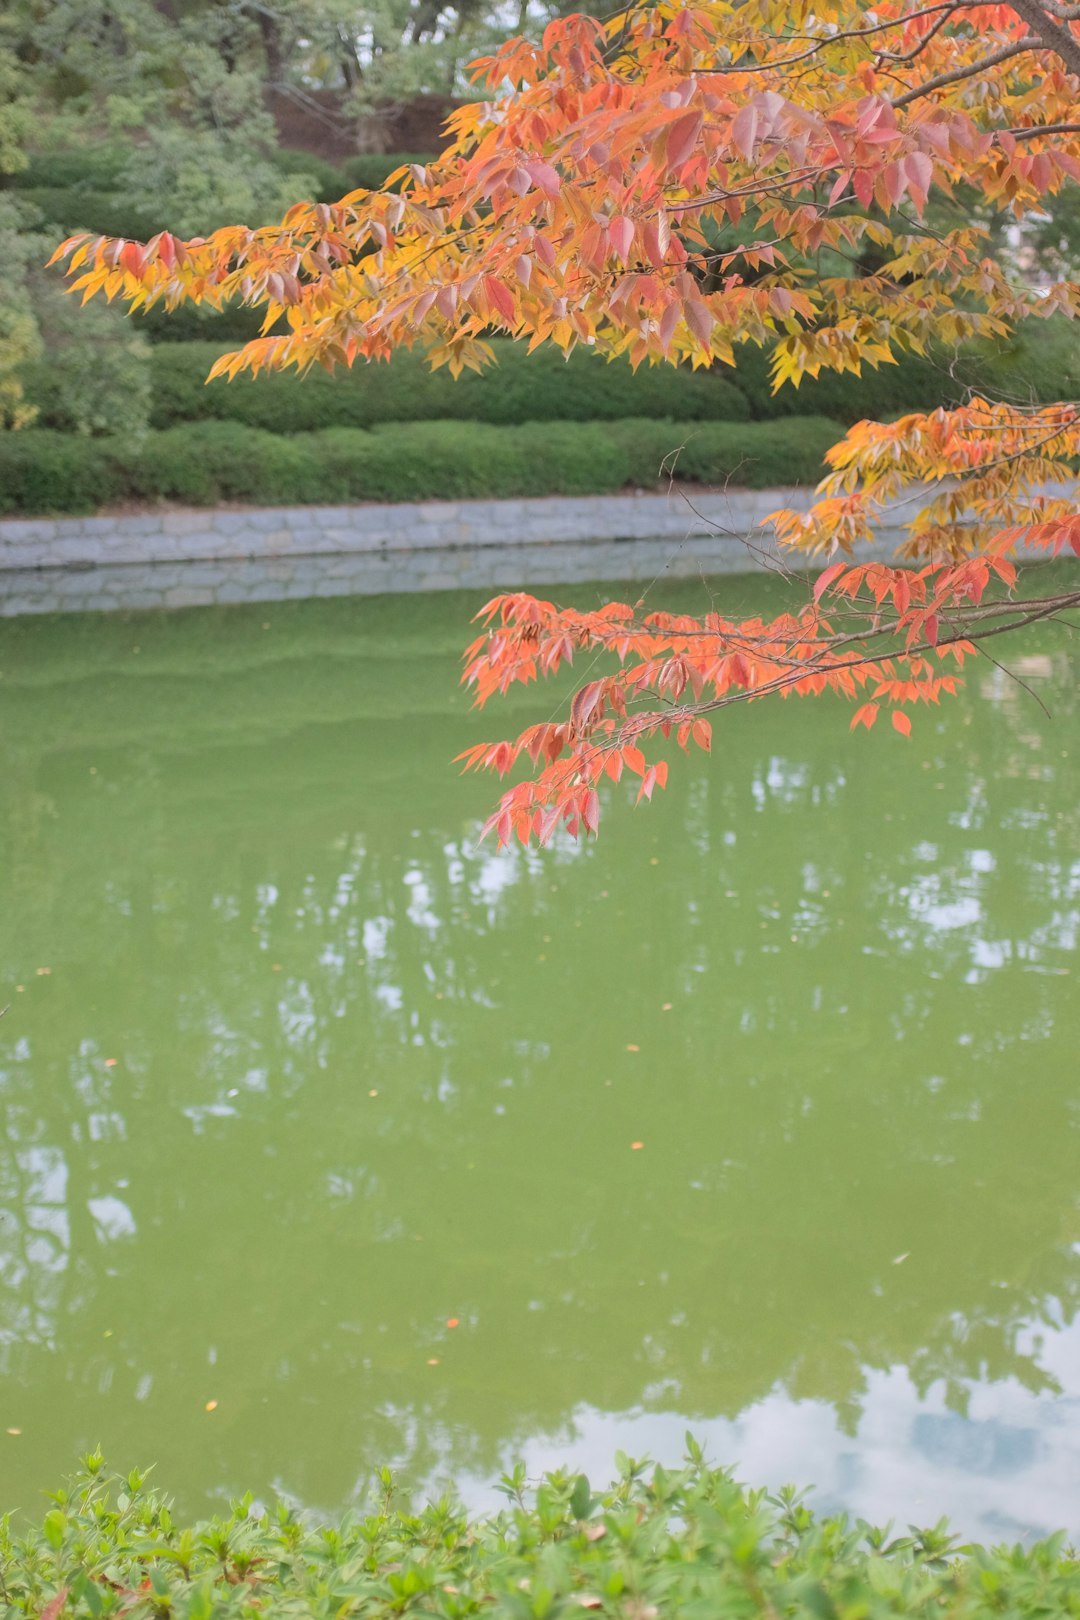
657,1542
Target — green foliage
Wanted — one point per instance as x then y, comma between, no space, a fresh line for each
326,181
200,463
522,387
83,208
97,165
912,384
16,113
20,332
370,169
42,471
81,375
689,1542
748,455
1039,363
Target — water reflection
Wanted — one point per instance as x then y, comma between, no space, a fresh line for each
297,1074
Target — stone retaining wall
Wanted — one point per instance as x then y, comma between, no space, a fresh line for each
219,535
194,558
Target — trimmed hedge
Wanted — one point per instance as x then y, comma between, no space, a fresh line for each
522,387
1042,363
201,463
657,1543
750,455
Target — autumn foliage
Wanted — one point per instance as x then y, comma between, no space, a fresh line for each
670,184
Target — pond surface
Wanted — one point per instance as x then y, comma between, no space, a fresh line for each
294,1076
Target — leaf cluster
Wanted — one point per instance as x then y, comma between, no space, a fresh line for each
688,1541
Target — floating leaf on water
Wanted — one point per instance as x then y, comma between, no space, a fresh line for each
211,1406
635,1145
453,1321
901,1258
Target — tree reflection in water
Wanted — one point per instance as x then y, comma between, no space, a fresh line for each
309,1073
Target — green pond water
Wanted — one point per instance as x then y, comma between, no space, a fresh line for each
294,1074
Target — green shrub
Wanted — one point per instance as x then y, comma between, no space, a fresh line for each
520,388
95,166
1039,363
201,463
370,169
750,455
457,460
198,324
331,181
42,471
659,1542
83,208
912,384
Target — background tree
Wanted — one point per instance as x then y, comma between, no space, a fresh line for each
670,185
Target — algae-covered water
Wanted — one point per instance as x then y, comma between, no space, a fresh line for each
294,1076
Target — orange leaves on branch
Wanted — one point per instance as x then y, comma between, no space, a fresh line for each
668,185
581,202
869,633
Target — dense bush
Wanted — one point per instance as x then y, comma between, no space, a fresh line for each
200,463
914,383
98,165
522,387
1042,362
688,1542
751,455
41,471
371,169
84,208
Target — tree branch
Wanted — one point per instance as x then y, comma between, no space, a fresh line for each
1054,35
1030,42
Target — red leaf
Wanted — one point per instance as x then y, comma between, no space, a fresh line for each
621,236
825,579
901,723
656,237
131,257
499,295
55,1605
744,130
682,138
865,716
700,320
545,177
